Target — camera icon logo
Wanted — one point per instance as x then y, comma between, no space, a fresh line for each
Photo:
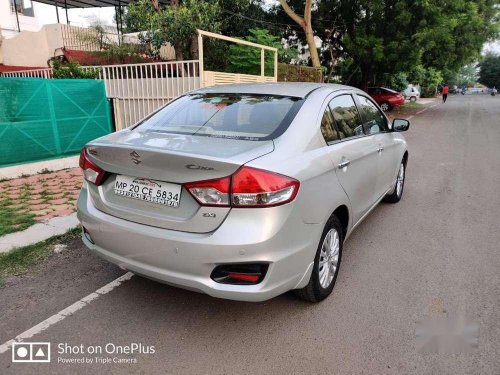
32,352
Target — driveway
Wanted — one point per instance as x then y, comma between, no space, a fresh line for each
433,255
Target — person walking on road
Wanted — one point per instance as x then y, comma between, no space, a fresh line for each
445,92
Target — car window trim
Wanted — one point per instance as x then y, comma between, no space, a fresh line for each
327,100
351,94
388,130
334,124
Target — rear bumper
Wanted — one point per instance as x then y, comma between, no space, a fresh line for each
408,96
394,102
274,235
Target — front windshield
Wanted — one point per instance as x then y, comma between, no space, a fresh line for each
241,116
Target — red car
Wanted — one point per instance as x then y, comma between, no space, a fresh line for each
386,98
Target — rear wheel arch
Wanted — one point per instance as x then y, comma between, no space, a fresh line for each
405,158
342,213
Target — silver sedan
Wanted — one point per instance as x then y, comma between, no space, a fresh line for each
242,191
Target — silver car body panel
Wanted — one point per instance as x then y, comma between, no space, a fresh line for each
183,249
188,159
187,259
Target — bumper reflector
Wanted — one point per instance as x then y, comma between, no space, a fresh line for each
240,274
244,277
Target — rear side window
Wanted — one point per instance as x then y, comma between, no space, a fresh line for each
240,116
346,116
328,127
375,121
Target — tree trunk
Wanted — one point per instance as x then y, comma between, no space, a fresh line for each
365,76
179,53
312,46
333,62
305,23
194,53
156,5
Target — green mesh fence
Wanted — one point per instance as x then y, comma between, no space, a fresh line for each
43,119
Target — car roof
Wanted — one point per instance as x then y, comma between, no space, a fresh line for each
294,89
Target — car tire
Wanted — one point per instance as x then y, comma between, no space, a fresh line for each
413,99
385,107
329,254
399,185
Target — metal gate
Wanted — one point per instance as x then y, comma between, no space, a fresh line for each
139,89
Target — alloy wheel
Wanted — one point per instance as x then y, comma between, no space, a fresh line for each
329,258
400,180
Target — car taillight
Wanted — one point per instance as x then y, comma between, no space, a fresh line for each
247,187
252,187
210,192
91,172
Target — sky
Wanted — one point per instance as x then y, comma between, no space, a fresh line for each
492,47
84,17
77,16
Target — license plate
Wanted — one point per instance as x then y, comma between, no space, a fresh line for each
148,190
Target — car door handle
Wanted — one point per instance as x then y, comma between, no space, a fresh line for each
344,163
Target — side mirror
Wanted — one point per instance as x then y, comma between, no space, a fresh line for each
400,125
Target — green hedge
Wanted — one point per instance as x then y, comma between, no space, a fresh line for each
428,92
299,73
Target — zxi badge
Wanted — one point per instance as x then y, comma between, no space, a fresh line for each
199,167
135,157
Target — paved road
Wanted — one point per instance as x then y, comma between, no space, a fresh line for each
435,254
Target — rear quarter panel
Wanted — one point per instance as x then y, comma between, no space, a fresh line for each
301,153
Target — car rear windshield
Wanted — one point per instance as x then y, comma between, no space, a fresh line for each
391,91
240,116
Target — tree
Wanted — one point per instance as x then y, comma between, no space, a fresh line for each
247,59
451,33
384,37
489,71
399,81
175,24
430,80
239,16
306,23
73,70
466,76
372,33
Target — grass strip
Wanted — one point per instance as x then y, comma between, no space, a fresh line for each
14,219
412,105
21,259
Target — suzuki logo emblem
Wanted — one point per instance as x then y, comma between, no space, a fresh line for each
135,157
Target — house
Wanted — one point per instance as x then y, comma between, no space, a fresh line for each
25,42
17,15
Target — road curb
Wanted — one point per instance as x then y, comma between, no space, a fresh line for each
53,165
38,232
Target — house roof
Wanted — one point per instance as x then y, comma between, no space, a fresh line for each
91,3
10,68
99,58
